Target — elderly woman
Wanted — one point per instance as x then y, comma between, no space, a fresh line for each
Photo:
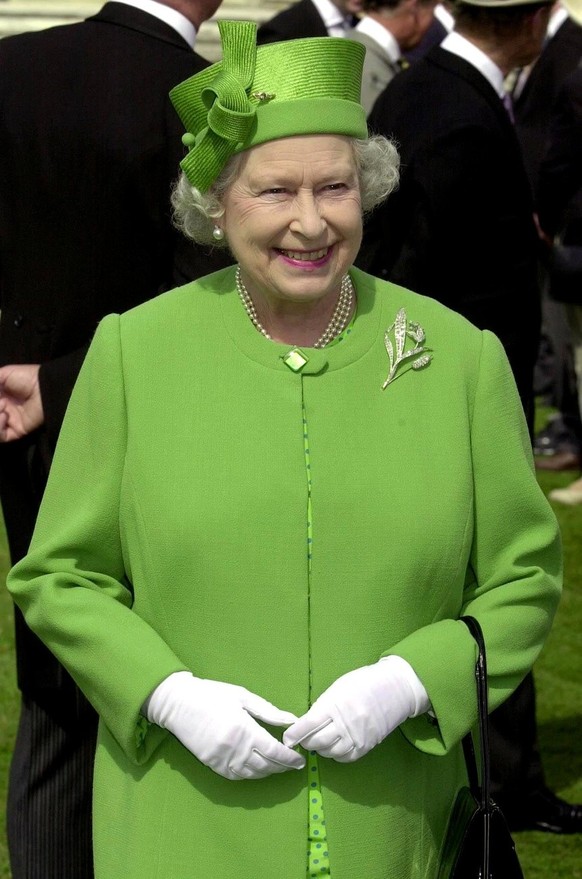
276,491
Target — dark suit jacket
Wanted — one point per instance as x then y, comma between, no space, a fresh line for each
89,146
460,227
301,20
433,37
560,179
533,107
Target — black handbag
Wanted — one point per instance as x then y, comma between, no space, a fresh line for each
478,844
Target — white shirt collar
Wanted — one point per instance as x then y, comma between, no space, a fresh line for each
335,22
460,46
556,21
175,19
444,16
377,32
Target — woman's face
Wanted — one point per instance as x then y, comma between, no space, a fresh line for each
293,217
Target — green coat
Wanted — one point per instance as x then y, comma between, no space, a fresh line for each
173,536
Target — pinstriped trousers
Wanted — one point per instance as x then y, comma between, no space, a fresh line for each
51,775
49,796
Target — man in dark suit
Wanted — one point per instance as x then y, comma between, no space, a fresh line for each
439,28
533,103
559,202
561,440
310,18
90,145
461,229
387,28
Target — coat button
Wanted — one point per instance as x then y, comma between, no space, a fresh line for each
18,321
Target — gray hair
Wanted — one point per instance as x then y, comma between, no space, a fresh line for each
196,213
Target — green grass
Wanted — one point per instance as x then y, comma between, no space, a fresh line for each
558,675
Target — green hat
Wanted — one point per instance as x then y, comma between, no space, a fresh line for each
309,86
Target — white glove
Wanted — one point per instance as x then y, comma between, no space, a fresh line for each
215,722
359,710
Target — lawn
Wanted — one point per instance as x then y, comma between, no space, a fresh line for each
558,676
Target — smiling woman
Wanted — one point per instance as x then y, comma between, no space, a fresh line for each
293,221
304,477
291,212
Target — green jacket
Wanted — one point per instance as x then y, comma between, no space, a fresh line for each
173,535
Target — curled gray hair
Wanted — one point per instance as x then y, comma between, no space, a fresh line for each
196,213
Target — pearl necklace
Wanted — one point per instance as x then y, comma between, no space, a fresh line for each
338,321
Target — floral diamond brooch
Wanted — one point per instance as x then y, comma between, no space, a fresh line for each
404,341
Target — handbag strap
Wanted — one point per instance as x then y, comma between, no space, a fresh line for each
482,791
481,678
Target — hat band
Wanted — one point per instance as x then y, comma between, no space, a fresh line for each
307,116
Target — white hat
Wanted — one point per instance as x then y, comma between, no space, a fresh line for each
574,9
499,4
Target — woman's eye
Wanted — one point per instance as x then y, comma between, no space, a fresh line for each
335,187
274,190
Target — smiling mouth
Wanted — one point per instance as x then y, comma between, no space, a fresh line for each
305,255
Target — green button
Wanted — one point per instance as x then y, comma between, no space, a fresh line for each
188,139
295,359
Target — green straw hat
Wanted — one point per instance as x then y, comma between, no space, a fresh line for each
254,95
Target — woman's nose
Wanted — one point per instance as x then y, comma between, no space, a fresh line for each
307,219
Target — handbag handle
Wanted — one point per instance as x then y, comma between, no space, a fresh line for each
480,792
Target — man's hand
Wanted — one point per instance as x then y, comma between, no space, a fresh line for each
21,409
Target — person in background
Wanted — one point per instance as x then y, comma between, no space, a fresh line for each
441,25
559,444
89,147
461,229
559,204
308,475
311,18
387,29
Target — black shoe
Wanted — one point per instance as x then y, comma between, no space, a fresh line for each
556,436
545,811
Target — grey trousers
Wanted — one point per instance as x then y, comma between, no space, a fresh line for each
49,796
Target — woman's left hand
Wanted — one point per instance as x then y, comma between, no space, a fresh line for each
359,710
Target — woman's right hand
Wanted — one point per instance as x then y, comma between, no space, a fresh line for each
215,721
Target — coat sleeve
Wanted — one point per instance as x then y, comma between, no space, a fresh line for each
560,177
513,580
72,586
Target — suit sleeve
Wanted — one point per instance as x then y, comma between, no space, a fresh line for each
72,587
561,170
57,379
428,236
513,581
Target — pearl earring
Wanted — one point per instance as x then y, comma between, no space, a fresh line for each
218,233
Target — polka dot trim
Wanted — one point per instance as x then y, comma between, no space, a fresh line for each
317,854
